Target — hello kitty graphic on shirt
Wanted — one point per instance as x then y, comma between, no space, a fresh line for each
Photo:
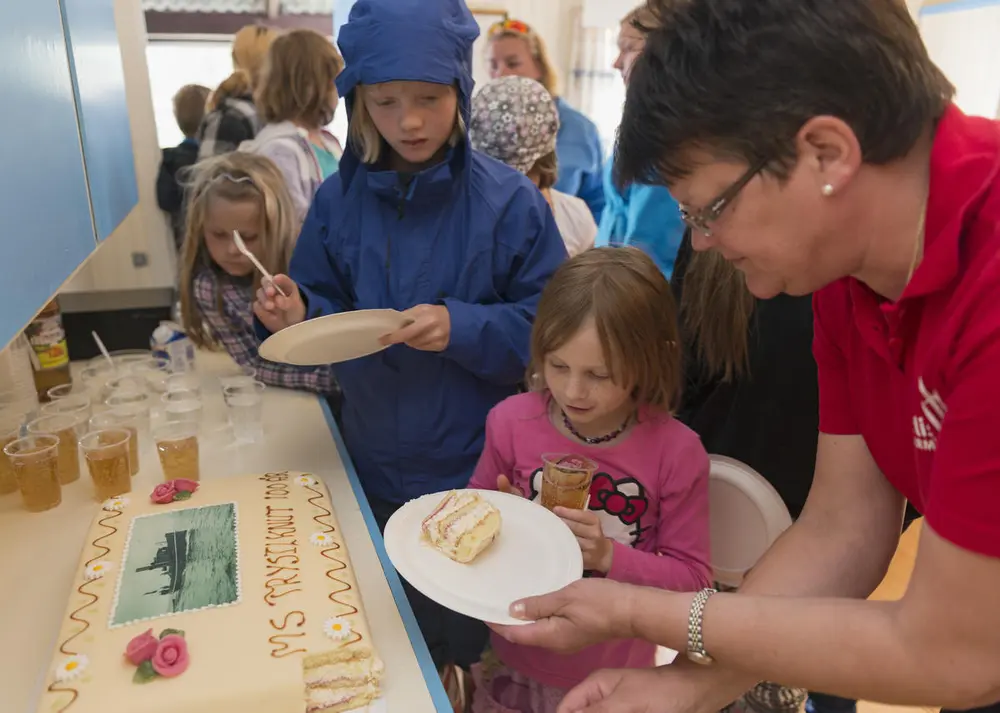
620,505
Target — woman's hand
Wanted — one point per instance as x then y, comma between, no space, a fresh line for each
428,330
597,549
276,312
668,689
586,612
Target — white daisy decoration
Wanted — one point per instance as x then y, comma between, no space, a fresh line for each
96,570
337,628
71,667
116,504
305,480
320,539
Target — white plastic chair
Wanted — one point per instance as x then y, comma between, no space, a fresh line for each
747,516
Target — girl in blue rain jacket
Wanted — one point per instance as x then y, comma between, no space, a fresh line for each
417,221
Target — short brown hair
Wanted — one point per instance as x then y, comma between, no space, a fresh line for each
297,80
633,309
693,87
189,107
546,170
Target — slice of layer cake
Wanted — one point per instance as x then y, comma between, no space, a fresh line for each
462,526
232,596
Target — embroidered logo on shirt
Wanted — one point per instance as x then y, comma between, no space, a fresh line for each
927,424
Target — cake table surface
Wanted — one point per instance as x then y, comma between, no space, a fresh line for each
42,550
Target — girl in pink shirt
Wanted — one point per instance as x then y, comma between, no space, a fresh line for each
605,376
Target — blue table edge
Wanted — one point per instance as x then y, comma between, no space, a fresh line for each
431,676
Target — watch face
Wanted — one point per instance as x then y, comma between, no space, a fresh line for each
700,658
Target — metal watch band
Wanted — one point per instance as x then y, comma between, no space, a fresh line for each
696,643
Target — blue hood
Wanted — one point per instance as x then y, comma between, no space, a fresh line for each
407,40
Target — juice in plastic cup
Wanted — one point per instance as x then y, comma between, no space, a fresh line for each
566,480
107,456
35,460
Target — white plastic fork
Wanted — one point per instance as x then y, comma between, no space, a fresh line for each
242,247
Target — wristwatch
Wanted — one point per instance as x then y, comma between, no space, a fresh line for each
696,644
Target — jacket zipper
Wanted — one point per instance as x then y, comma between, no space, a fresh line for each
400,209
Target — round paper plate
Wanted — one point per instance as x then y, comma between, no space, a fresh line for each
535,553
333,338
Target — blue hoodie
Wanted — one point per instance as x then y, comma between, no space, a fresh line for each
578,150
645,217
470,233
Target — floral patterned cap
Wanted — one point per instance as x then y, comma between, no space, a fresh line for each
514,120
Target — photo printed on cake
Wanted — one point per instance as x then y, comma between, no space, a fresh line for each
178,561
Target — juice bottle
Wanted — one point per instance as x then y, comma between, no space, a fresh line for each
51,355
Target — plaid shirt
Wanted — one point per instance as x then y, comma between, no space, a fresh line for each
224,129
233,329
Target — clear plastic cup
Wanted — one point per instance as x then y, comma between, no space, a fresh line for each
8,478
67,427
121,357
182,406
245,402
95,380
566,480
155,370
64,390
107,455
183,382
35,460
177,446
238,376
127,384
74,404
133,419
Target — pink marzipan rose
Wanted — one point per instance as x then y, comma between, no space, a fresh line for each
171,657
142,648
163,493
182,484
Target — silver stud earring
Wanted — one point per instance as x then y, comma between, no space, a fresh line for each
828,190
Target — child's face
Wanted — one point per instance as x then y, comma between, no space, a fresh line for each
578,378
511,57
222,218
415,118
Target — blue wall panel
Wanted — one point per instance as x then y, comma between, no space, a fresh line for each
100,86
46,229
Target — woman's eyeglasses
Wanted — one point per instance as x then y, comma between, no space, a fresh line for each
701,220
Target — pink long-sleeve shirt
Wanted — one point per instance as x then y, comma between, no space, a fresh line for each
651,495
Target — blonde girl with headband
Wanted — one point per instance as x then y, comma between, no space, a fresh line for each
296,97
514,49
232,115
523,135
238,191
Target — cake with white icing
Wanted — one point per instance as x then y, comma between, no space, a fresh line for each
462,526
232,596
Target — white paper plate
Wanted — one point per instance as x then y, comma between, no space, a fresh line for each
535,553
333,338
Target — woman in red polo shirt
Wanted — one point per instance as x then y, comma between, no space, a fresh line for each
815,145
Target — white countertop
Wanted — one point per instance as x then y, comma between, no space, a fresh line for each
41,550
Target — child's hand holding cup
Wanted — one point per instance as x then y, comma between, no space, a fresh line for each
276,312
